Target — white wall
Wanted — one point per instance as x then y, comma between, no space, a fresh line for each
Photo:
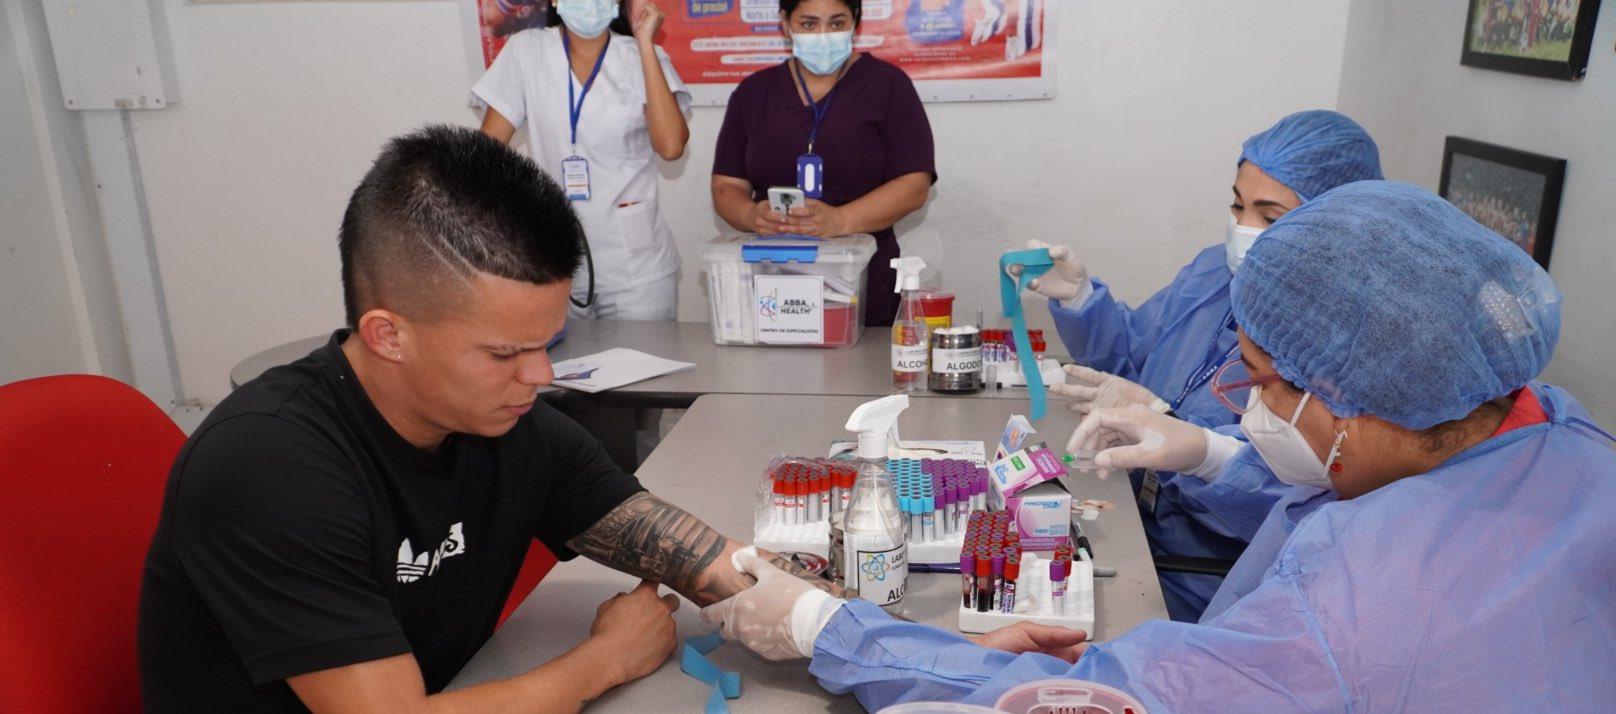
58,309
1402,79
284,104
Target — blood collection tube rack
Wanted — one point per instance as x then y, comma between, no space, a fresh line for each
1034,601
799,495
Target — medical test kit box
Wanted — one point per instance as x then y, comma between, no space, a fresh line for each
1026,483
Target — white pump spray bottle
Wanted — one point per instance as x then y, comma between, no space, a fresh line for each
911,338
875,557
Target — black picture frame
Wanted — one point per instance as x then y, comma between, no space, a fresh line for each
1492,168
1573,67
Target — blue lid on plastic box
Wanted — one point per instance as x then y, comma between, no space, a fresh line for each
779,252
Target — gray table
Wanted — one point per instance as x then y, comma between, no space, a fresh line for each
860,370
707,464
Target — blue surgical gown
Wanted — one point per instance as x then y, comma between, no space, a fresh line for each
1168,344
1483,585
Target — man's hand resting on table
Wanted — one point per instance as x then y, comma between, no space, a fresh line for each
1058,642
633,632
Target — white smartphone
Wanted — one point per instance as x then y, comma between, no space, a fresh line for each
782,198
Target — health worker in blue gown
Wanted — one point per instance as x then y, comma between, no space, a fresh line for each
1162,353
1447,541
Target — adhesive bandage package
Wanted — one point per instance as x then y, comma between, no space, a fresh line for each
787,290
798,497
1001,582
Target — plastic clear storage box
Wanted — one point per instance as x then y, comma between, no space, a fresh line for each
769,290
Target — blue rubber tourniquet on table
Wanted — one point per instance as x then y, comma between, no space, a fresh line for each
693,661
1033,262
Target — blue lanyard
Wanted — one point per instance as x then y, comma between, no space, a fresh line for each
820,107
1215,359
575,109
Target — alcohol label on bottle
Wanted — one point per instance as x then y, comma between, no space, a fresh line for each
963,360
909,358
881,575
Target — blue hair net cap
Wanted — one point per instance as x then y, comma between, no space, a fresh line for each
1381,298
1314,151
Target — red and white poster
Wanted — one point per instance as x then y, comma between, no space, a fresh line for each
956,50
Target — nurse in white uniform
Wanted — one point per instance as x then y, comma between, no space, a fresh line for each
600,105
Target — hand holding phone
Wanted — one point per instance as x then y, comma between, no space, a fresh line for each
783,198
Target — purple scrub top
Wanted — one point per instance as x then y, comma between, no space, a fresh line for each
874,131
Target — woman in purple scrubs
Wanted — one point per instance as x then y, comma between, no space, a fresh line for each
855,117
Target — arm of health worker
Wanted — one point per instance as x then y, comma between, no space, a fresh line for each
874,211
669,132
648,537
632,635
1272,650
1106,334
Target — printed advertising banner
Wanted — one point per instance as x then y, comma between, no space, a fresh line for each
956,50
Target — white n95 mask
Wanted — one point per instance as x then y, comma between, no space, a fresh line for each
822,52
1282,445
1237,242
587,18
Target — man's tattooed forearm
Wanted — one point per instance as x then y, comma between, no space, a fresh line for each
654,539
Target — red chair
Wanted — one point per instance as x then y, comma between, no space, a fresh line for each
83,463
535,566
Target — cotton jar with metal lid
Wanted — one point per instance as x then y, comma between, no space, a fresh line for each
956,360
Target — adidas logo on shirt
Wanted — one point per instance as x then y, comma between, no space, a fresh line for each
413,567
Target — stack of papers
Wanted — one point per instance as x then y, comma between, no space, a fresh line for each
612,369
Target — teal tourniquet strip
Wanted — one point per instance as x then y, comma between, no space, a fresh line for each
1033,263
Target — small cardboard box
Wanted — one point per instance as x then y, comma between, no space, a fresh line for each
1023,469
1042,514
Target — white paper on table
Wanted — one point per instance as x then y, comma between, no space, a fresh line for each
972,451
614,368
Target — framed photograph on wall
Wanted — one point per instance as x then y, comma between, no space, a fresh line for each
1543,38
1515,193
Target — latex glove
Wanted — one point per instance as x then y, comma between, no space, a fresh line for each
779,617
1139,437
1094,389
1067,281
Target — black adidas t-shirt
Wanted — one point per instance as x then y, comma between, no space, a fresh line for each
300,533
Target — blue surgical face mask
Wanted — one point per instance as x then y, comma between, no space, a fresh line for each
587,18
822,52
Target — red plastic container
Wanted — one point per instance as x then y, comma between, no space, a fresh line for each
937,306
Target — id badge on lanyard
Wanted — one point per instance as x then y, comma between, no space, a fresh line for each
575,168
575,177
810,166
1149,488
811,175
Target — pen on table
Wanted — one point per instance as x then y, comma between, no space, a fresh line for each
934,568
1082,542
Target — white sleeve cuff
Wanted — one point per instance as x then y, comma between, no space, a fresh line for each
1083,294
809,614
1219,449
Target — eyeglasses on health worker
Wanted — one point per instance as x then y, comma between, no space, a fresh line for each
846,127
1164,353
1448,544
599,111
